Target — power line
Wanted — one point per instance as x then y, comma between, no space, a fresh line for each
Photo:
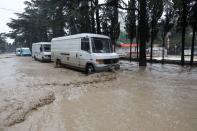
11,10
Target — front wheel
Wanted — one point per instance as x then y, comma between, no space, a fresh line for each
57,63
90,69
35,58
42,59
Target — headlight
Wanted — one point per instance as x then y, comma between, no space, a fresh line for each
99,61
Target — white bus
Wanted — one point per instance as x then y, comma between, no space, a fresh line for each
41,51
88,52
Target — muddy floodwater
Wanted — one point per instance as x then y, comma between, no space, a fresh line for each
35,96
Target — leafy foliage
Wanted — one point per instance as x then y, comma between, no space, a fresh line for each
44,19
3,42
130,20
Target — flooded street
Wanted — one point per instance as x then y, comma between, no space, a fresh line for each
35,96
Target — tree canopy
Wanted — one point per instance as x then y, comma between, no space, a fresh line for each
44,19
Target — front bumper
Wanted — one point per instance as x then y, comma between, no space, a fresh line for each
25,54
47,58
104,67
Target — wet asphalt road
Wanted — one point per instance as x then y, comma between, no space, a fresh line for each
35,96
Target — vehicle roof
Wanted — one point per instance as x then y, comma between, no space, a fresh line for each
24,48
80,36
41,43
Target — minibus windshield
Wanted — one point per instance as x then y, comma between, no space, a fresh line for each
101,45
47,48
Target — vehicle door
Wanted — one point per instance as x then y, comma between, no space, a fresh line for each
38,51
85,53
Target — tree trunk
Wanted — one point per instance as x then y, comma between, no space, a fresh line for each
163,47
92,19
58,23
151,43
192,48
194,34
184,16
142,31
137,47
116,28
130,55
97,18
137,33
114,24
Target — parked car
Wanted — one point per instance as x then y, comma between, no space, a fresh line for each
41,51
24,51
88,52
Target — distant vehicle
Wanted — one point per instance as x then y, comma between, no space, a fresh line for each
88,52
157,51
187,52
24,51
41,51
123,50
18,51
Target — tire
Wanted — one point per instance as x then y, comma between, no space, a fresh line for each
35,58
117,68
42,59
90,69
57,63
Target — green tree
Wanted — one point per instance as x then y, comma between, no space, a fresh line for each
3,42
143,31
166,24
130,22
193,23
181,8
110,24
72,16
81,16
155,12
41,21
57,17
31,26
85,22
98,28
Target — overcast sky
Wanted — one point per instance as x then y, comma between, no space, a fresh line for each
7,10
